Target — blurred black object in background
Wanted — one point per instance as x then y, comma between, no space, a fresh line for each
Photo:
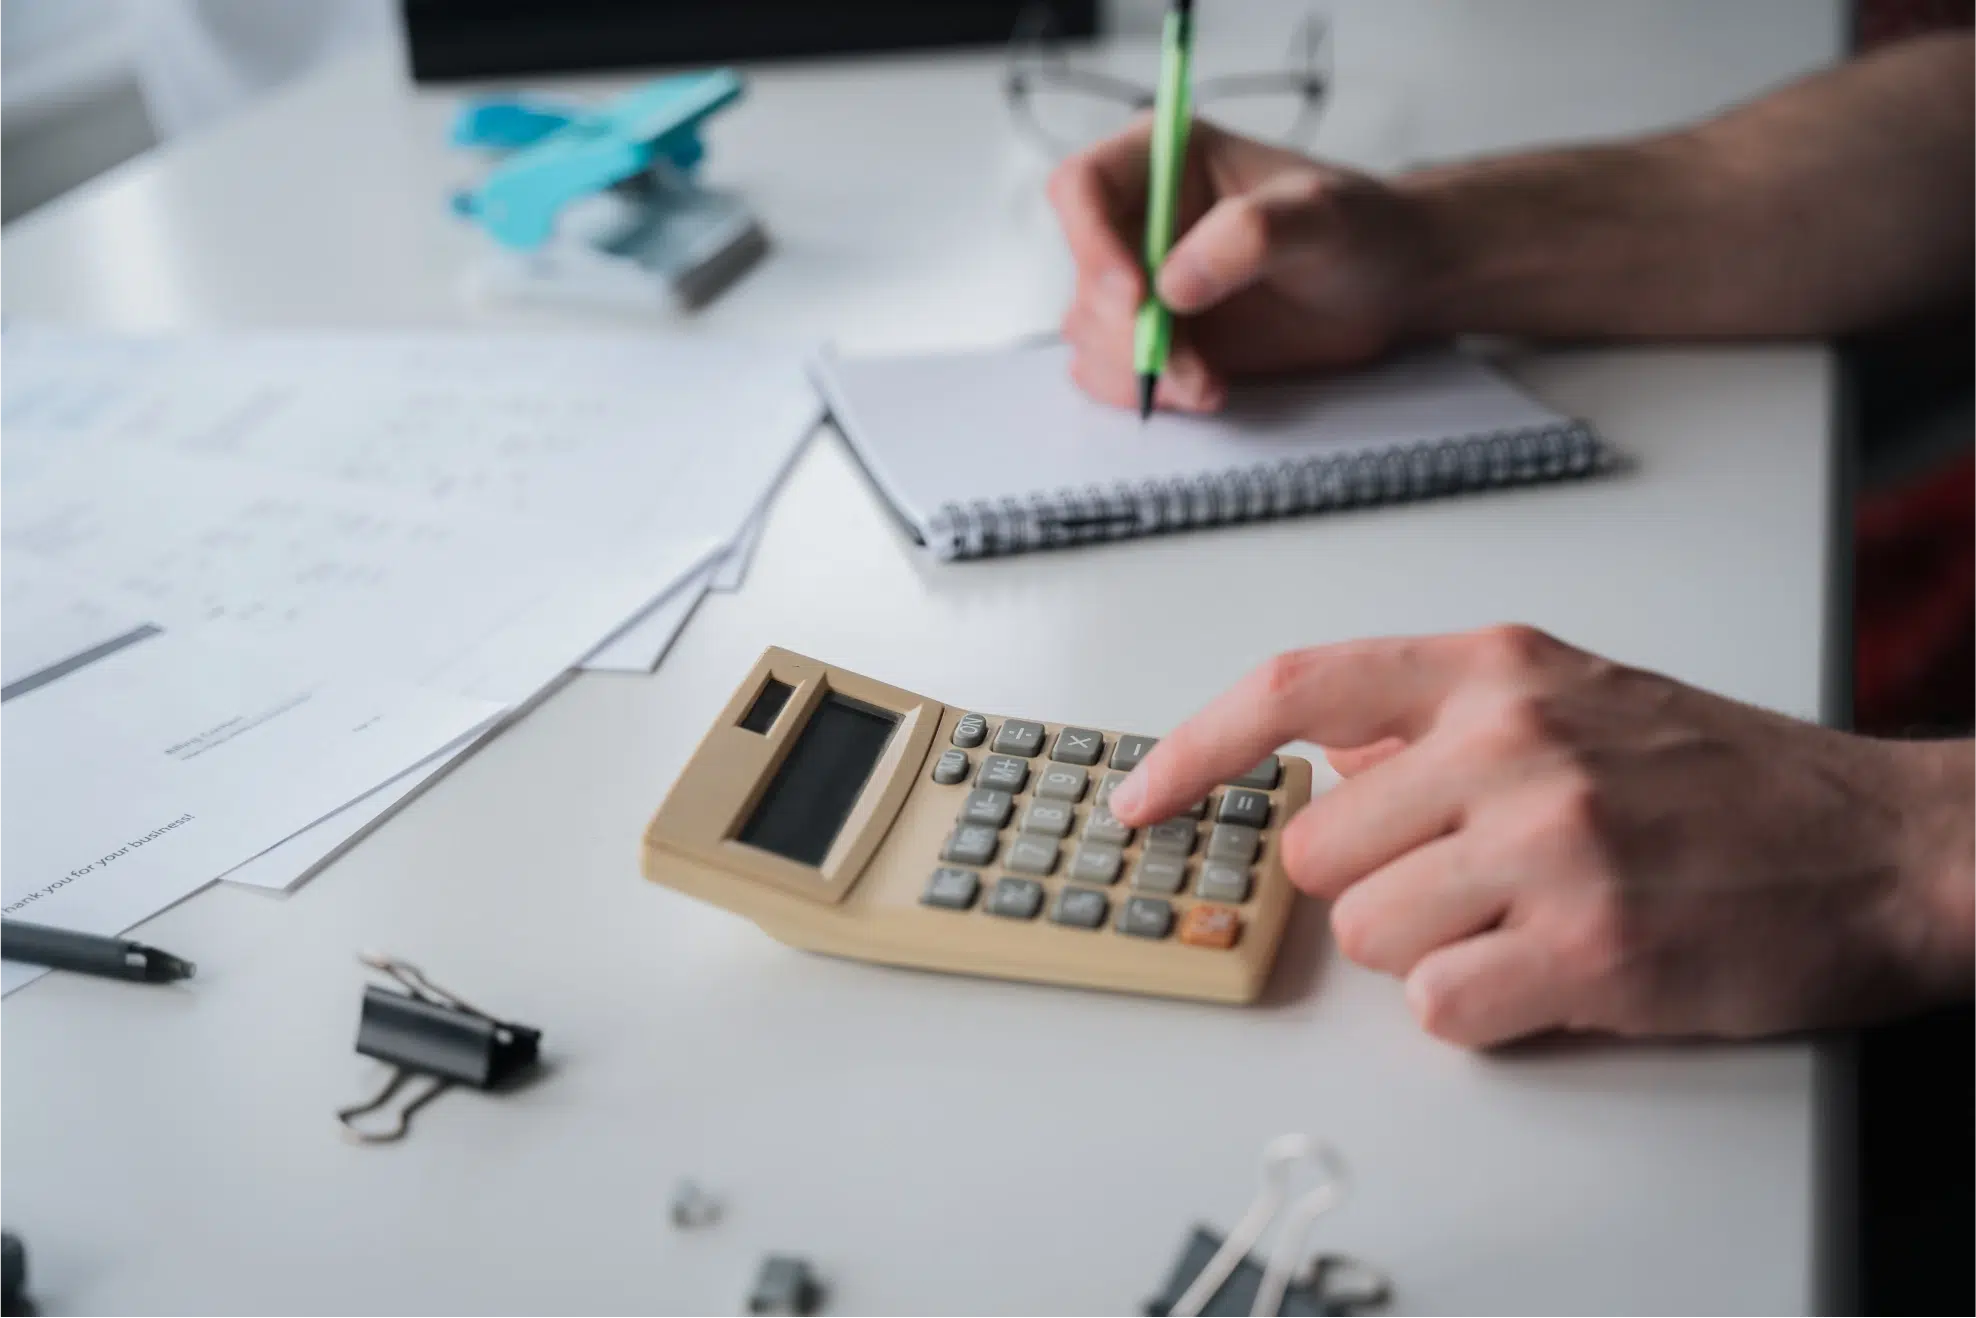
491,38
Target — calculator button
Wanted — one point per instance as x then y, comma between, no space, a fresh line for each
1018,899
1106,786
1051,817
1243,805
1081,908
970,730
1210,926
1095,862
1145,917
1019,737
1160,871
1103,826
1174,835
951,767
1263,777
987,806
1198,810
1031,854
1223,882
951,888
1002,772
1235,843
1130,750
1062,782
1078,746
971,844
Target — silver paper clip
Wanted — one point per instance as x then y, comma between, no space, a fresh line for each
1281,1156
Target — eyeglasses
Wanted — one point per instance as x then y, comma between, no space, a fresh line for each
1063,108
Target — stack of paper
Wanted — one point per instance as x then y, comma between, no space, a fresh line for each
258,589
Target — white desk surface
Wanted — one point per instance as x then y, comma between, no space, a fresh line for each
933,1144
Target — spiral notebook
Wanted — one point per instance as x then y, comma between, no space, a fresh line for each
987,453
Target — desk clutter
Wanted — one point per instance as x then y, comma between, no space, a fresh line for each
229,555
603,203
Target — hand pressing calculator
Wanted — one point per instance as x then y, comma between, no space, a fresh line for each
850,817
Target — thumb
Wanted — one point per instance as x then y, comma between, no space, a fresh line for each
1240,238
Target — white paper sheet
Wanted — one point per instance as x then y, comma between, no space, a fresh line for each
133,782
640,646
469,515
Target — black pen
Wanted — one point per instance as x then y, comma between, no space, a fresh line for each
64,949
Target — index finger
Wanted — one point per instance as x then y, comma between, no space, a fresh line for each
1351,694
1098,195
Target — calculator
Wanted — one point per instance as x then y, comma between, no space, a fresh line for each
853,818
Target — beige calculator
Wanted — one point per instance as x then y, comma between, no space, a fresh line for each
846,816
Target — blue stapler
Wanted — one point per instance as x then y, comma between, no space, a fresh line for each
602,201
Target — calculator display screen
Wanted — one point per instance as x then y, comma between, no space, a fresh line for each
818,784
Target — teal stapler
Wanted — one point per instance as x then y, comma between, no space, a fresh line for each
603,202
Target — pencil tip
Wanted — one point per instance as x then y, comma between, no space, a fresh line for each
1147,383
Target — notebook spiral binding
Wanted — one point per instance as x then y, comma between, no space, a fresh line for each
1431,468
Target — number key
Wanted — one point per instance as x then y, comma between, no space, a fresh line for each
1051,817
1062,782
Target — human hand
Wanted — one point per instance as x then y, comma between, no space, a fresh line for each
1536,838
1282,265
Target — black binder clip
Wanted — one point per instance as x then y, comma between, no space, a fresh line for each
429,1032
1218,1275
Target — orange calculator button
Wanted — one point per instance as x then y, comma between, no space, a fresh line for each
1210,926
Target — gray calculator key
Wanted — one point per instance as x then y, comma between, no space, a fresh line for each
1019,737
1199,809
1062,782
970,730
951,888
951,767
1103,826
1244,805
1106,786
1145,917
1031,854
1019,899
1004,773
1130,750
971,844
1160,871
1263,777
1174,835
987,806
1078,746
1095,862
1081,908
1234,843
1223,882
1051,817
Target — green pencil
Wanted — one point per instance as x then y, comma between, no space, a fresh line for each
1153,331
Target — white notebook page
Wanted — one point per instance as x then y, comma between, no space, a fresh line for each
991,425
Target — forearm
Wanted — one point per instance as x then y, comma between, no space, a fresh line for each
1840,202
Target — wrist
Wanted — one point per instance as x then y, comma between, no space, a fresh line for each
1937,860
